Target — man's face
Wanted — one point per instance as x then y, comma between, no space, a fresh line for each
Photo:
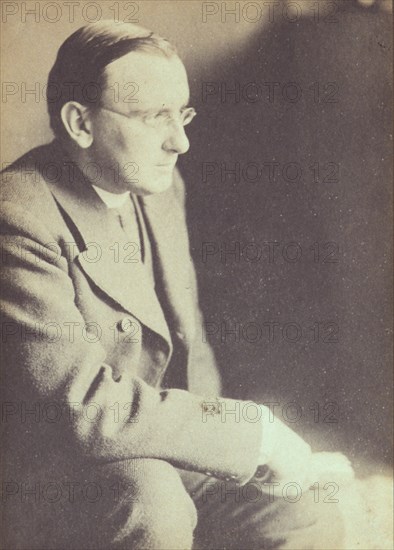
139,153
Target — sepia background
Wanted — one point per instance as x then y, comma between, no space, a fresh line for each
337,132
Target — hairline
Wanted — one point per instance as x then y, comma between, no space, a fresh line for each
150,44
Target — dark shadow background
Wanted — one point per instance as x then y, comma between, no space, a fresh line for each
351,209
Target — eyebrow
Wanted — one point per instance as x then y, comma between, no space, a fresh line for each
162,110
184,105
167,110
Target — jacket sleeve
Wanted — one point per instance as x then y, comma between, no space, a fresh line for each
204,434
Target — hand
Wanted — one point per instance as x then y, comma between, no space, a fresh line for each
285,453
290,458
329,467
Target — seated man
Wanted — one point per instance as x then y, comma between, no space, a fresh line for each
114,433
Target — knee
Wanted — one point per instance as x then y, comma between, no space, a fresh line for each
163,515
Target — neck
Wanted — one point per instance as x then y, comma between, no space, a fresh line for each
93,172
112,200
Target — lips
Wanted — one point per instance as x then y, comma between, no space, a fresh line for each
168,164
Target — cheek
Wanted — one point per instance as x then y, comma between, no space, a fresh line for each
142,149
108,138
117,145
114,150
118,141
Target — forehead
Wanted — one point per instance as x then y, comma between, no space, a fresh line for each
152,79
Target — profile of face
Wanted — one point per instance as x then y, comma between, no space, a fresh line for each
137,131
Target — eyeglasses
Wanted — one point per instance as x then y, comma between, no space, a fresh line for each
158,119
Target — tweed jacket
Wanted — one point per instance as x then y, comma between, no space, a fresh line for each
98,365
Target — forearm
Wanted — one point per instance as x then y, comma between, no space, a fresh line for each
172,425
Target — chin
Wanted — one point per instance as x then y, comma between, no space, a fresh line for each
154,185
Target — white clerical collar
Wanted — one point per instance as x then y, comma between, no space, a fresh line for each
112,200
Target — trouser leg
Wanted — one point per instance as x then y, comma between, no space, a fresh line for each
128,505
247,517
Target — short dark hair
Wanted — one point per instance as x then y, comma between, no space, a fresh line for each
83,57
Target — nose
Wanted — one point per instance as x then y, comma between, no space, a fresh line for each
176,139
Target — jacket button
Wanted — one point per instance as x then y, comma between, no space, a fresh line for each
160,356
125,324
262,471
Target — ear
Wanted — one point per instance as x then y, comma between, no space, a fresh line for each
77,123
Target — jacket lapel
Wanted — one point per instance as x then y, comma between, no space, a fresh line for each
103,257
168,235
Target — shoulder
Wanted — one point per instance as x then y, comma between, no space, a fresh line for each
25,196
25,180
